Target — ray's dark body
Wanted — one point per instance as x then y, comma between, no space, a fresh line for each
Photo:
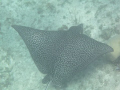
61,54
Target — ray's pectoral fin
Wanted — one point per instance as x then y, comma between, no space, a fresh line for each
46,79
76,29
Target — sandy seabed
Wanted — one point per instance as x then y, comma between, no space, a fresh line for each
101,20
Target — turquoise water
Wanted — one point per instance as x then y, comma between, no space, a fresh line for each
101,20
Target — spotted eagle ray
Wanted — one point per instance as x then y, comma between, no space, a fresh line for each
61,54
